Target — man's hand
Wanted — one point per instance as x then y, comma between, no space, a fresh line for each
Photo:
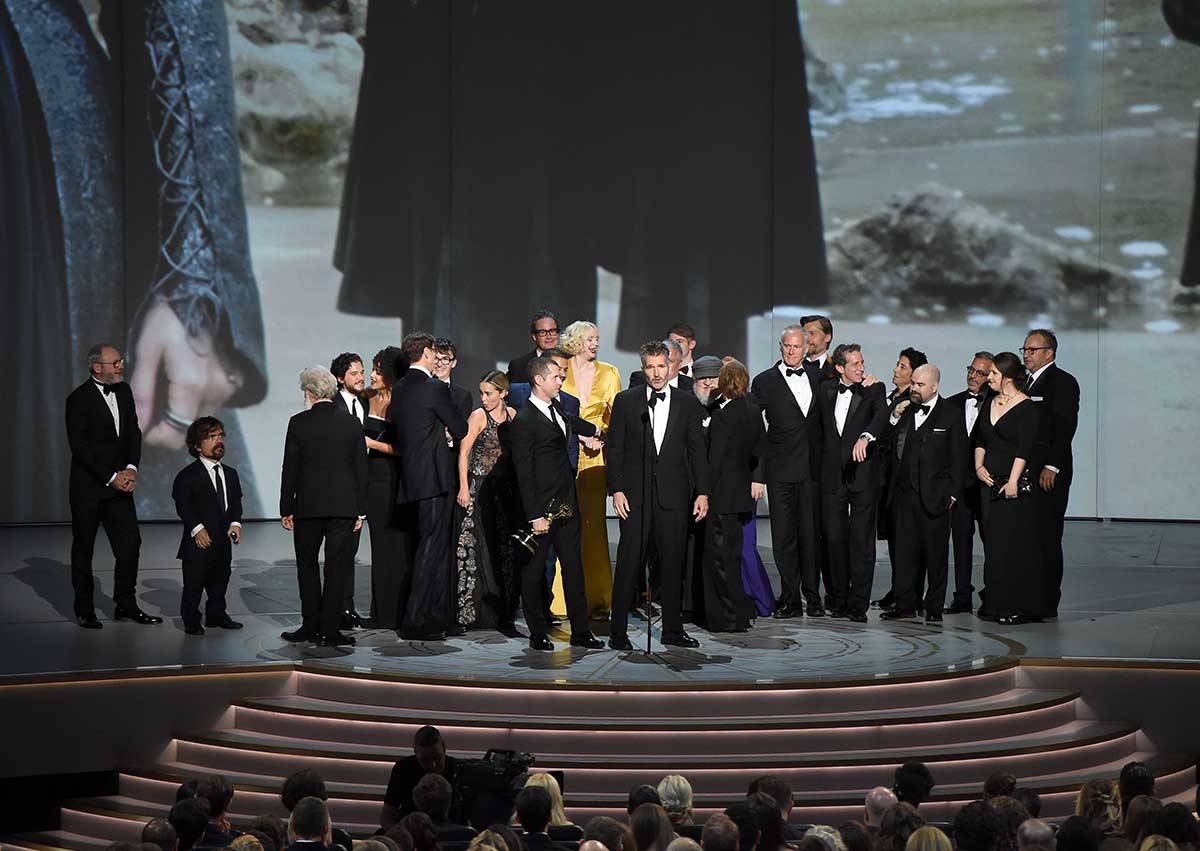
540,526
124,481
1046,479
901,408
287,522
203,539
357,523
859,452
195,377
757,490
621,505
593,443
235,534
700,509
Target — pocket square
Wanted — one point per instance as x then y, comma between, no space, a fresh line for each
938,430
1036,398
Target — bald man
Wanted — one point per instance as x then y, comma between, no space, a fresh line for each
929,472
879,801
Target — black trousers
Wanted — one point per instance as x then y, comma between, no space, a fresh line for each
794,541
118,516
727,606
564,537
321,607
922,549
850,520
964,519
391,541
428,607
1052,508
208,575
348,596
665,531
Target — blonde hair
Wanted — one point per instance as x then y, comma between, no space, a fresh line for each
928,839
488,840
1158,842
571,340
675,792
1100,802
558,816
246,842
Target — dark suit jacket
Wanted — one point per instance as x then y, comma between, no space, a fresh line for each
518,368
736,443
1056,394
307,846
793,439
423,411
681,466
324,465
518,395
960,400
825,372
868,413
637,378
196,503
541,842
363,405
539,453
939,469
97,451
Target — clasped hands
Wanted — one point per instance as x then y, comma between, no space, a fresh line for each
289,522
124,481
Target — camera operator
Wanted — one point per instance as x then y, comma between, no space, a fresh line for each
429,757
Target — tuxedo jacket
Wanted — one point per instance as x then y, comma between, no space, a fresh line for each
1056,394
868,412
736,443
539,453
542,842
518,395
823,373
197,503
364,405
793,438
423,411
518,368
960,401
939,465
680,468
97,450
324,465
637,378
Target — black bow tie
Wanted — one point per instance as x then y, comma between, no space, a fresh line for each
924,409
845,388
657,396
977,398
684,370
105,388
790,372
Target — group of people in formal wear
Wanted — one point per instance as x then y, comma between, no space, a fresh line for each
478,513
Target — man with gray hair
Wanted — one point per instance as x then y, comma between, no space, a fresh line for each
322,498
1035,832
879,801
675,355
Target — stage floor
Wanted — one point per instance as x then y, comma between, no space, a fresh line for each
1131,591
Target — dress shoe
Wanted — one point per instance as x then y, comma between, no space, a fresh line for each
814,612
336,639
423,634
351,620
89,621
897,614
135,615
837,612
298,635
984,615
958,609
587,640
621,643
540,641
785,611
1017,620
679,639
856,617
456,630
225,623
887,601
932,616
194,630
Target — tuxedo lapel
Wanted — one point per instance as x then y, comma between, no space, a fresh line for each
673,415
855,401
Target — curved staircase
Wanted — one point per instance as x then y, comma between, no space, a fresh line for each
833,742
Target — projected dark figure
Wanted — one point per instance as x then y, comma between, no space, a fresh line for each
1183,17
120,189
515,148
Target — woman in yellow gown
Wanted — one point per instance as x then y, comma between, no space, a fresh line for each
595,384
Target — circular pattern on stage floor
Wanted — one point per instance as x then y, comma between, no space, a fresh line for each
772,653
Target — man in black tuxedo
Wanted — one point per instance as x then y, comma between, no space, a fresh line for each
351,377
106,446
426,421
311,826
929,472
684,334
787,396
965,516
1056,393
538,439
659,478
675,378
322,498
208,498
533,808
853,418
543,330
818,337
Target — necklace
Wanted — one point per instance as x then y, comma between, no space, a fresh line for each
1003,400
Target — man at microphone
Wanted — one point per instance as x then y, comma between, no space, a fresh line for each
658,476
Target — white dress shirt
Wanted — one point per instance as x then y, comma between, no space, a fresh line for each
659,414
110,399
971,409
841,408
211,467
544,407
799,385
354,405
920,417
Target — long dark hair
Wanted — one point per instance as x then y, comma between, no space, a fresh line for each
1011,366
389,363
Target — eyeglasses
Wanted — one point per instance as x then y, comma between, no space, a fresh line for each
1027,349
981,373
443,358
117,362
545,332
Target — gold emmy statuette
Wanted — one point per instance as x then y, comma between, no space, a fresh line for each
555,511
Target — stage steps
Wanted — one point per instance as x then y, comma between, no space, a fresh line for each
833,742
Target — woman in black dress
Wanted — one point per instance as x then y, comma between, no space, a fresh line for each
389,540
1012,568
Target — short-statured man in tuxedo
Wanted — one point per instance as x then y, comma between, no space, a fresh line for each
818,337
347,369
208,499
426,421
1056,393
853,419
106,446
684,334
787,395
929,472
543,331
675,378
658,476
322,498
965,517
538,438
